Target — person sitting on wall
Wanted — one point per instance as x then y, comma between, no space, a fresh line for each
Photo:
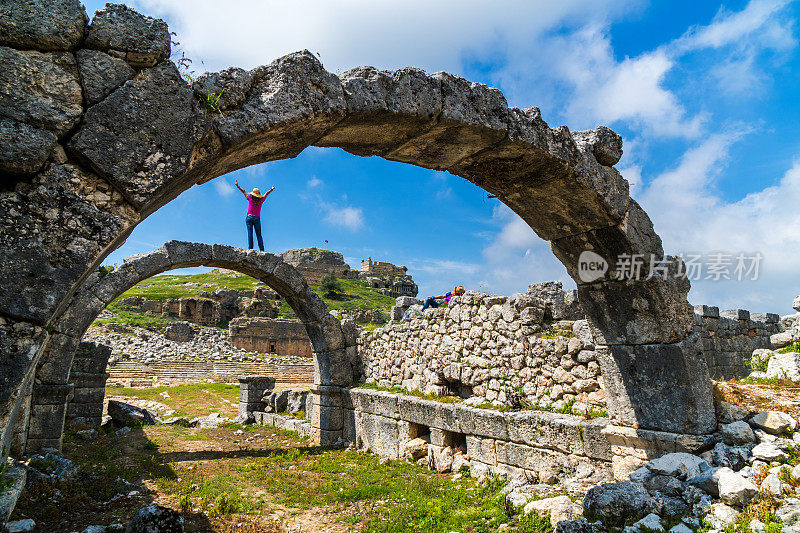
253,219
431,301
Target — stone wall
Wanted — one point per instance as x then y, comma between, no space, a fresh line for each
382,268
314,264
729,338
88,375
511,351
270,335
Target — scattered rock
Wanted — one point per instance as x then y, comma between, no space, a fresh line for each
651,522
784,365
728,413
680,464
735,489
774,422
127,415
614,503
155,519
738,433
20,526
724,513
768,452
557,508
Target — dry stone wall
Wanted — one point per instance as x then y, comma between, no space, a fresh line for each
729,338
509,351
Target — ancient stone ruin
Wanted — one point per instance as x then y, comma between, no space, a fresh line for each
113,147
99,130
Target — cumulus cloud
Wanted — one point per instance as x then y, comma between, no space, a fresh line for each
223,187
348,217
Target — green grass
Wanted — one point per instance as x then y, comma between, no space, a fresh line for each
196,399
403,497
357,294
133,319
407,392
779,382
793,347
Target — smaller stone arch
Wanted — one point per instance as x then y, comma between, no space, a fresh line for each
334,349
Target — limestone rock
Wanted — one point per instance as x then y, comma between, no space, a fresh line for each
734,489
784,338
127,415
516,500
724,513
773,422
728,413
738,433
773,484
649,523
614,503
101,74
42,24
154,518
767,451
143,134
796,303
40,89
557,508
734,457
680,464
21,526
604,143
231,85
25,148
416,448
784,365
118,27
579,526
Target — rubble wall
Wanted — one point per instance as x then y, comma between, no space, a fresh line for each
729,338
268,335
510,351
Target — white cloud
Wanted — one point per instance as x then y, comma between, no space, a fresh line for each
223,187
692,218
348,217
314,182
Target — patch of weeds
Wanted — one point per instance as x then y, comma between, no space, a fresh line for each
210,102
793,347
534,523
778,382
407,392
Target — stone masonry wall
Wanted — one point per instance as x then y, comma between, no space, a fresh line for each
270,335
511,350
88,374
729,338
497,349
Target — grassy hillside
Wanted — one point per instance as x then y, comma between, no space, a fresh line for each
356,295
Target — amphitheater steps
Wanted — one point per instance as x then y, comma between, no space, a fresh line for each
134,372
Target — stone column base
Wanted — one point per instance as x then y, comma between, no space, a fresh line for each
326,414
251,389
48,409
631,448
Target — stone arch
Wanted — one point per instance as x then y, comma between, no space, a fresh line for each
133,144
51,389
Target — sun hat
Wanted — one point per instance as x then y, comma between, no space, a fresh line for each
256,192
460,289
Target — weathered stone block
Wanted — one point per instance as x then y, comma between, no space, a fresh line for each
429,413
483,422
101,74
40,89
188,253
384,109
379,434
595,443
375,402
118,27
26,149
659,386
482,449
43,24
142,136
548,430
293,102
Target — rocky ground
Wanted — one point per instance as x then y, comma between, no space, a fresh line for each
207,344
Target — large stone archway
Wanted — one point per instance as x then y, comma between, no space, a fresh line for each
106,146
333,348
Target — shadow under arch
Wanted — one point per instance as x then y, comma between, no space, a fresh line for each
329,340
151,138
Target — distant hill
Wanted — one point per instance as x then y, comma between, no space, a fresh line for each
357,295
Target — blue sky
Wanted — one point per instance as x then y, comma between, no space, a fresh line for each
705,95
